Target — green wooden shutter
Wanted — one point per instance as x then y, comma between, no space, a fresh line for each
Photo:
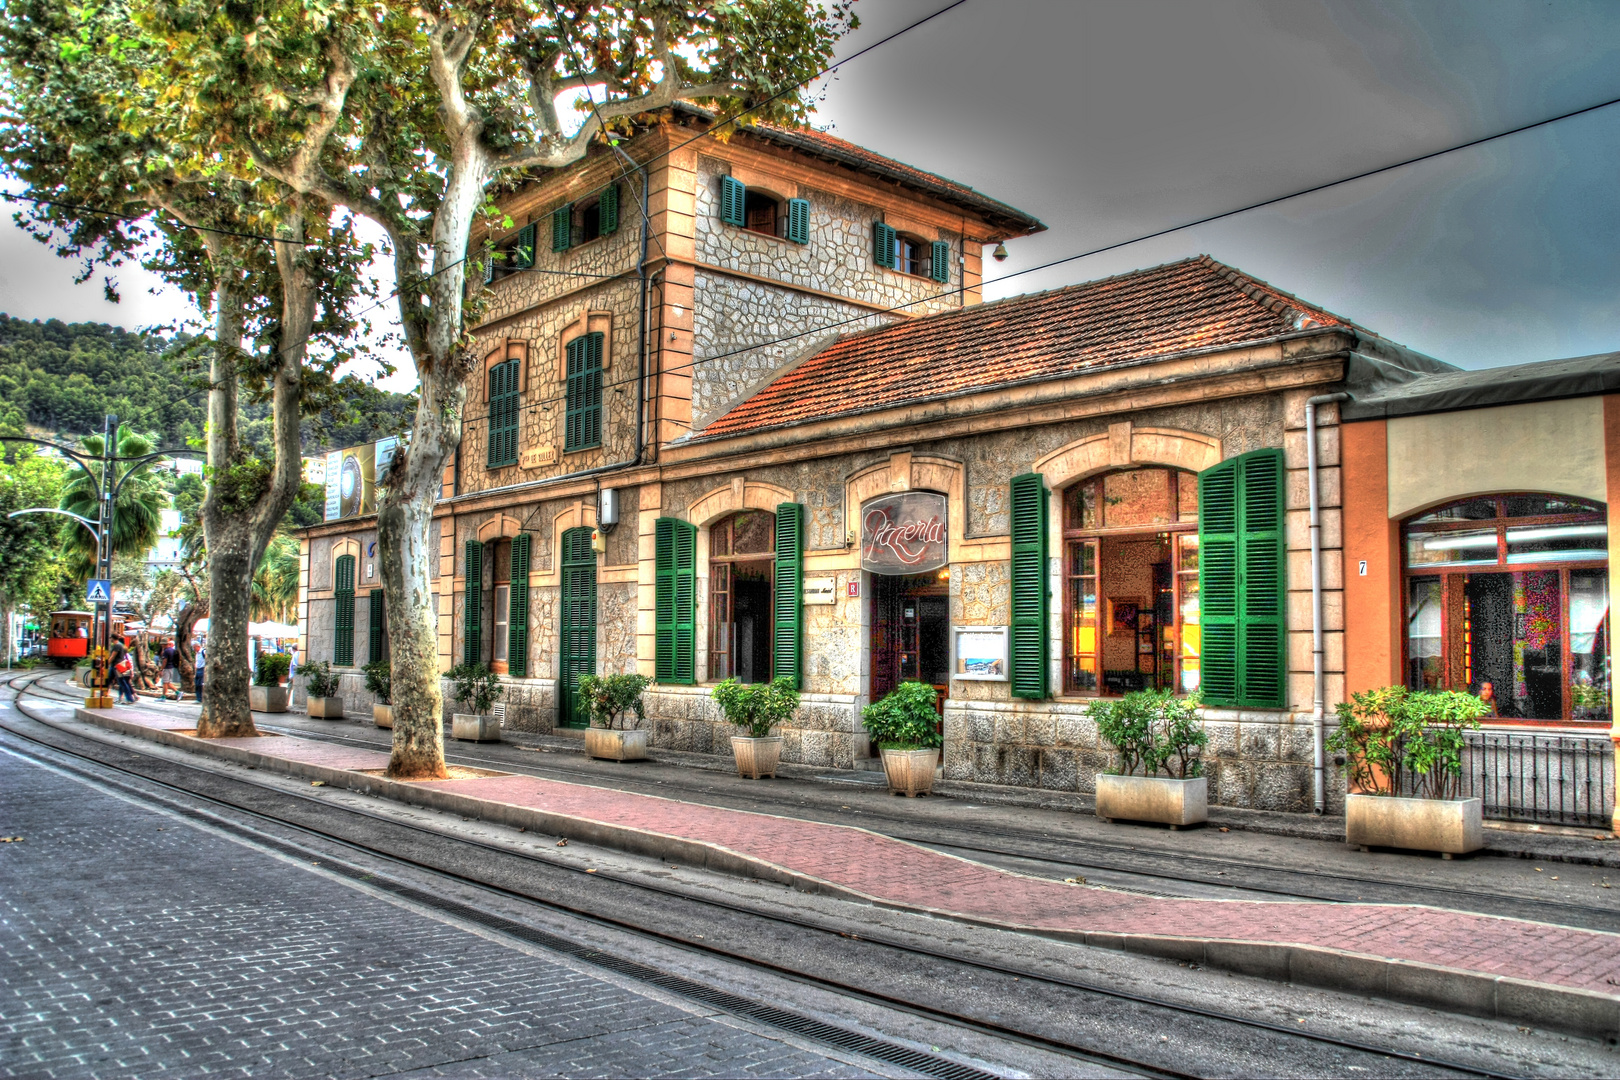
472,606
1029,676
562,220
1242,582
582,424
787,595
376,630
939,261
675,596
523,253
343,625
607,210
799,221
517,618
490,259
733,196
578,654
883,245
1262,576
503,414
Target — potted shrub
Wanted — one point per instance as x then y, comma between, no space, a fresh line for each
1396,741
757,708
323,689
478,686
267,694
379,684
1153,731
905,725
609,700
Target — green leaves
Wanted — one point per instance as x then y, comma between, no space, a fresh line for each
757,707
475,684
905,719
608,697
1392,737
1153,730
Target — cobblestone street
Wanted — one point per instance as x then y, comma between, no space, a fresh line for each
133,943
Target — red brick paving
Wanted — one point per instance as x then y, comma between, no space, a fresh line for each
906,875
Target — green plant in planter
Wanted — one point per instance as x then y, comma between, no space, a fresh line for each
608,697
1435,722
1393,738
475,684
905,719
758,707
1368,735
320,680
1153,730
379,681
272,668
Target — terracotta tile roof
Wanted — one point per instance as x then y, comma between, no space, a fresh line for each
1194,304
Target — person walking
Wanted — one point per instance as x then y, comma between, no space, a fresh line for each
122,668
197,668
292,664
169,662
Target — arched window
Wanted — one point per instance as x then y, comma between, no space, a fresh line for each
742,559
1507,597
1130,582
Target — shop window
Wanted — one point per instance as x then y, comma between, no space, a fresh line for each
1507,597
742,550
1130,588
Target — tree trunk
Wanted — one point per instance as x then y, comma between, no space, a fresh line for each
5,633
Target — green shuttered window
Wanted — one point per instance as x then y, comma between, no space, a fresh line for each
1027,649
939,260
376,631
578,654
343,625
503,414
675,599
798,227
562,220
732,197
1242,581
517,619
883,238
472,607
608,210
523,254
787,594
583,422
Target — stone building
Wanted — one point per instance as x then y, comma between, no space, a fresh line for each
742,412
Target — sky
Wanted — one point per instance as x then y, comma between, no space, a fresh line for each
1109,121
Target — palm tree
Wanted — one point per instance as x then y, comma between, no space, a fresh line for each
275,583
137,515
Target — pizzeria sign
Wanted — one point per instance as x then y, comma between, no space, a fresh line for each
905,534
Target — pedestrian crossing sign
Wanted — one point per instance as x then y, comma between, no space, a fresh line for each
99,591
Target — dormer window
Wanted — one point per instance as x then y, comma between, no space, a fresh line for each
764,213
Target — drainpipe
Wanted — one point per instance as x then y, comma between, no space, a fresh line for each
1318,680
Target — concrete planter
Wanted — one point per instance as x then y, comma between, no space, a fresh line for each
611,745
475,727
1176,803
757,757
910,772
328,708
1449,826
268,698
383,715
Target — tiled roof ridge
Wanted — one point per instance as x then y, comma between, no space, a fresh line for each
1267,295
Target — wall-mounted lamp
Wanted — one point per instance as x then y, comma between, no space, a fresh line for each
945,573
607,509
1000,254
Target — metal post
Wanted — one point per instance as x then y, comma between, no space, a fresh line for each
104,559
1318,652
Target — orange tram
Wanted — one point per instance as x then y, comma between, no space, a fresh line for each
70,636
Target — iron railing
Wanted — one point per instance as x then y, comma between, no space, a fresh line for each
1548,779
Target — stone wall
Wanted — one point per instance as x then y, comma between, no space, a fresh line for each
1256,760
530,704
826,733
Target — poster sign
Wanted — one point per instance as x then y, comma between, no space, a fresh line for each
905,534
981,653
820,590
351,479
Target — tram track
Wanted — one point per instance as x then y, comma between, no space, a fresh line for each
1083,856
298,812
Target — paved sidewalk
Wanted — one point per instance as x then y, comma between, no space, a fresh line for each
901,874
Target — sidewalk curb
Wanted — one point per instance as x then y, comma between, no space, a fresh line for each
1543,1005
